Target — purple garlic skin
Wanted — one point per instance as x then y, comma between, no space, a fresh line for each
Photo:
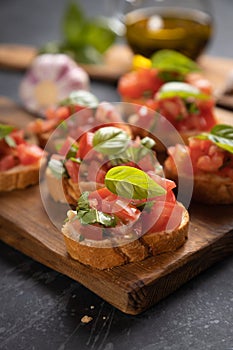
50,79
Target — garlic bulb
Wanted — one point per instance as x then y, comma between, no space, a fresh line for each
49,80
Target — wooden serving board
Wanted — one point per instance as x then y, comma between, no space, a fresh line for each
134,287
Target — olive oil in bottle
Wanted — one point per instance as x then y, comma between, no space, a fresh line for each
185,30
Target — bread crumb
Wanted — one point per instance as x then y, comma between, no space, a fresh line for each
92,307
104,317
86,319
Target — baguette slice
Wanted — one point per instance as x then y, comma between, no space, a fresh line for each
105,255
21,176
207,188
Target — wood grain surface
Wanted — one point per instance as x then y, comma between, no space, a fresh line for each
132,288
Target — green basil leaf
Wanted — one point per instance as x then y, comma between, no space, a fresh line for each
73,25
221,135
134,154
93,216
86,54
83,202
169,60
223,130
110,140
5,130
87,215
57,168
72,151
80,98
99,35
182,90
129,182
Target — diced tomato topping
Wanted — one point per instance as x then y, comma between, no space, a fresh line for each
29,154
209,158
7,162
18,136
203,84
101,193
95,172
167,184
62,113
73,170
147,163
175,110
4,148
85,144
66,146
42,126
162,216
108,202
125,212
140,83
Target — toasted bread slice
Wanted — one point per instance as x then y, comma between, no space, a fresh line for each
21,176
108,253
207,188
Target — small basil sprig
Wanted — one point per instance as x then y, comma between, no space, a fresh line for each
80,98
221,135
5,131
84,39
110,140
132,183
182,90
87,215
173,61
134,154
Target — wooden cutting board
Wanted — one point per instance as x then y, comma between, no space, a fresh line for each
132,288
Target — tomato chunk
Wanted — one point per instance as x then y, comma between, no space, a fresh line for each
7,162
162,216
140,83
29,154
73,170
85,144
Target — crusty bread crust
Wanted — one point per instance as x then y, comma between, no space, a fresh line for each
107,254
20,176
213,189
207,188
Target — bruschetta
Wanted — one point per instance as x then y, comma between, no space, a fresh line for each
75,102
81,164
133,217
211,155
20,161
149,75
